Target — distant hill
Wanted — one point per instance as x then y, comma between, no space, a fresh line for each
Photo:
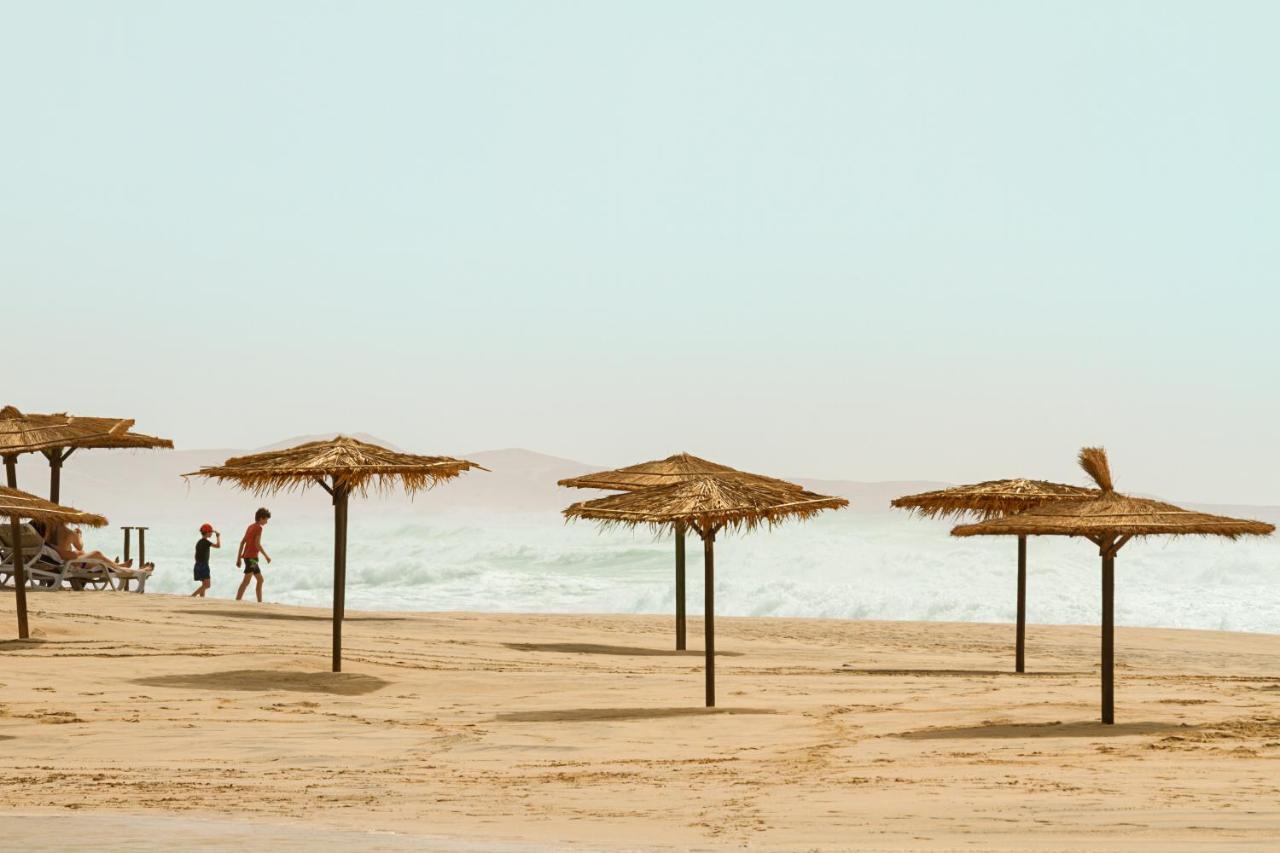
145,487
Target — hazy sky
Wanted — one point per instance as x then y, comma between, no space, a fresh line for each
861,240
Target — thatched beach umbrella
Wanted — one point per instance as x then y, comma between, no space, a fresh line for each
707,505
20,433
341,466
19,506
679,468
994,499
57,436
1109,520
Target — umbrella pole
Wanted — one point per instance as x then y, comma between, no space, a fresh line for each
1020,654
19,577
1108,637
680,634
11,471
55,473
709,607
339,571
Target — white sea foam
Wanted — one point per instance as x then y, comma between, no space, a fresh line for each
848,567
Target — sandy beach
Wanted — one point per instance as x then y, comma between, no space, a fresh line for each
156,716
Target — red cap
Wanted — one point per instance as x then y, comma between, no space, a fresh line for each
206,528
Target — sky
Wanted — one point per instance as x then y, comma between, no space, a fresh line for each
870,241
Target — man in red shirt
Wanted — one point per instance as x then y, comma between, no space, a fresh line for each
250,548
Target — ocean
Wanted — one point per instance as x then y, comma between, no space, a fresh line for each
842,566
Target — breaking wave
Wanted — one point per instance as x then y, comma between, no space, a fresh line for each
850,567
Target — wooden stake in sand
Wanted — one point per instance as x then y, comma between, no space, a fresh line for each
1109,520
341,466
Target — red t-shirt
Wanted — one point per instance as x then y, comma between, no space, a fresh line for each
252,538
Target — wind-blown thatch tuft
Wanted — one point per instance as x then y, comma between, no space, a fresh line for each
349,463
21,433
679,468
1112,515
24,505
990,499
740,502
1094,462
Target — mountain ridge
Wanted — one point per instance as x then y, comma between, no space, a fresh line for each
136,487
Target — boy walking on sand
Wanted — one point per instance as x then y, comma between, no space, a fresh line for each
250,548
202,557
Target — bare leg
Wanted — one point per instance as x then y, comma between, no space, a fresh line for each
259,589
114,564
244,584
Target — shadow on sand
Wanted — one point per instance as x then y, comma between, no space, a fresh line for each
268,680
1011,731
291,617
16,645
587,715
953,673
596,649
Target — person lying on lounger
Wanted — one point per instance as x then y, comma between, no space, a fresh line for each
69,544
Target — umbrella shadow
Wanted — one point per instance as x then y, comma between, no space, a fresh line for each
30,643
1011,731
270,680
589,715
8,737
599,649
959,672
289,617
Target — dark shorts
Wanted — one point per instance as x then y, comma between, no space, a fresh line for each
251,566
202,571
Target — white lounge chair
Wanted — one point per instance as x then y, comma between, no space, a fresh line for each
137,574
46,569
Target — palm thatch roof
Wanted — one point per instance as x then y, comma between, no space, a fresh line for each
128,441
990,499
1111,514
679,468
21,433
15,503
350,464
735,501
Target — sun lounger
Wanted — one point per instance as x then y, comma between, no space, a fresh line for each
45,568
137,574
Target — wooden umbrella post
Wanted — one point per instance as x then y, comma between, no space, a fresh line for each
680,632
709,608
1020,654
142,545
11,471
1108,639
19,577
54,456
127,541
1109,549
340,494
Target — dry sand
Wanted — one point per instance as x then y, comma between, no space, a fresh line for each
135,721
